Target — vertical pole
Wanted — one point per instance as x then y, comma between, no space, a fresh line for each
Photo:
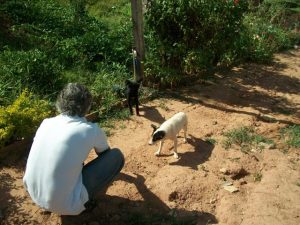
138,34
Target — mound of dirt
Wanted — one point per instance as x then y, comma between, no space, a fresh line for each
191,189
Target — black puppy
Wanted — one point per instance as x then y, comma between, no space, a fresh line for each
132,95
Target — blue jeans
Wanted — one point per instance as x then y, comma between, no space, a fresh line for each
98,173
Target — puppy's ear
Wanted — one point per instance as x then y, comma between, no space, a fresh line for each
154,127
159,135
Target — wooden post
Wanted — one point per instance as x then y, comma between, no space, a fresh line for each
138,34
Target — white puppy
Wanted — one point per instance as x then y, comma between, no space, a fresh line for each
169,130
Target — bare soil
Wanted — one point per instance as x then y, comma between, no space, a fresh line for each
190,190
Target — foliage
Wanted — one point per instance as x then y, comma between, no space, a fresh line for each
33,68
291,135
245,137
282,12
52,37
22,118
260,39
194,35
102,87
187,37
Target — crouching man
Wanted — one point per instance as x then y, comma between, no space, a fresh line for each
55,176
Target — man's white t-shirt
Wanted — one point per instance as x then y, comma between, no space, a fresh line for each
53,175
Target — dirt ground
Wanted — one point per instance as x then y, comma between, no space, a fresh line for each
190,190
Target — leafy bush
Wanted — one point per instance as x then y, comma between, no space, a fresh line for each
22,118
54,37
102,87
281,12
194,35
260,39
29,69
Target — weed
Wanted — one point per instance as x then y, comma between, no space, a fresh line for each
245,137
257,176
291,135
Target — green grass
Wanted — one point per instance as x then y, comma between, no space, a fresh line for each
291,135
111,12
245,137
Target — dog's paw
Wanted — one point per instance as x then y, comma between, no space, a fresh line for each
157,153
185,141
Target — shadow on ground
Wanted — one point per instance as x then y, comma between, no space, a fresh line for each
201,153
10,205
152,114
114,210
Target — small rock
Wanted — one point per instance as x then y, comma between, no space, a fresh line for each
231,189
224,170
253,150
228,183
215,123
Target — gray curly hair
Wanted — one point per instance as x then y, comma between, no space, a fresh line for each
74,100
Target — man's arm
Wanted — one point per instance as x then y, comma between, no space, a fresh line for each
101,144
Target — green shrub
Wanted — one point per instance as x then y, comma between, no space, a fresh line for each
260,39
29,69
291,135
102,87
22,118
281,12
194,35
